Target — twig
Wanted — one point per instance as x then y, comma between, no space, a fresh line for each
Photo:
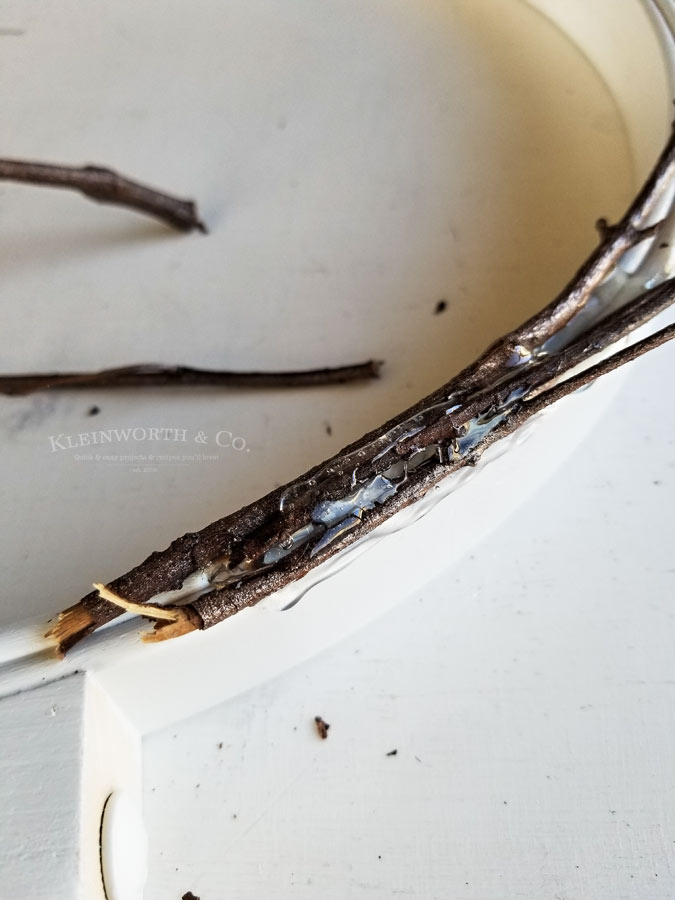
153,376
106,186
279,538
541,400
531,381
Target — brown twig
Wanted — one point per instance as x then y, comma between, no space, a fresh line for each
540,400
550,368
106,186
153,376
233,549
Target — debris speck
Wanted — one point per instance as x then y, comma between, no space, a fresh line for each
93,410
328,427
392,753
189,896
440,307
321,727
219,745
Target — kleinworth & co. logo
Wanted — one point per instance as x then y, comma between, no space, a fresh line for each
104,445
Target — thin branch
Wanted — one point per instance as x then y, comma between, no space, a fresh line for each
630,231
628,354
531,380
107,186
279,538
153,376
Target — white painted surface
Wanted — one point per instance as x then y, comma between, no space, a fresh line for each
64,748
529,692
41,756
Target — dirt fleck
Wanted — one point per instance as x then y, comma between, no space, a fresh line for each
329,428
392,753
93,410
440,307
189,896
321,727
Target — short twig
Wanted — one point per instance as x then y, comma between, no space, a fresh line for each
106,186
153,376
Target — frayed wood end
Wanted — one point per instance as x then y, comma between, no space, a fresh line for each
71,626
171,621
165,631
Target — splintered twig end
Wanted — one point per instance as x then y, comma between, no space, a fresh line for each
170,621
